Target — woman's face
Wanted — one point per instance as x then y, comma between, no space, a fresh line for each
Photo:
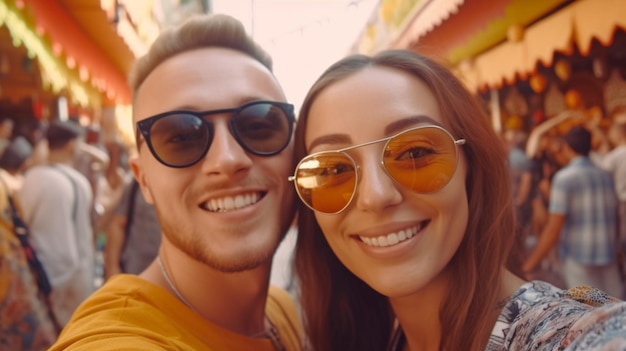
396,240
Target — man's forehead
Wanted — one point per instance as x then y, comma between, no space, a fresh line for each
205,58
224,72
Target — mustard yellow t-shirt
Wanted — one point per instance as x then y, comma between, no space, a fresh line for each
129,313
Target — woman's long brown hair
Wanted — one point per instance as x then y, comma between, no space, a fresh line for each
341,312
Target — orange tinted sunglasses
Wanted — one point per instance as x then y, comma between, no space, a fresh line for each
422,159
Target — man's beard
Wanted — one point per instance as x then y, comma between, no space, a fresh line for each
189,241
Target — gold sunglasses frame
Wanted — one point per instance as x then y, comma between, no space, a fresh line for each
457,142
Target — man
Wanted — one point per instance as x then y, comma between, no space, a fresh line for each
214,156
615,162
13,163
520,168
29,327
56,201
133,235
6,132
521,174
582,219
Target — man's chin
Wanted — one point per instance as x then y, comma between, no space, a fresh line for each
236,265
233,262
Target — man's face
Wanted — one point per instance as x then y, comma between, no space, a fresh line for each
230,209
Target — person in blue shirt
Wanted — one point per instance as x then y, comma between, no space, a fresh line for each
582,220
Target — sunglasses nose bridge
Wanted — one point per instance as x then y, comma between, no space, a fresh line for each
375,190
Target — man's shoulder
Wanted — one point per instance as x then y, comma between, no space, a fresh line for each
40,178
123,314
38,171
50,173
578,172
131,313
564,174
122,295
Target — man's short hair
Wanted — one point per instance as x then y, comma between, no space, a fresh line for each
578,139
59,133
198,32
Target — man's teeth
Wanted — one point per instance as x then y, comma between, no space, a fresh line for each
391,239
230,203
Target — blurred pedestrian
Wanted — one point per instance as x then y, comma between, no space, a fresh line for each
110,185
6,132
133,236
14,162
583,220
520,169
615,162
27,321
57,200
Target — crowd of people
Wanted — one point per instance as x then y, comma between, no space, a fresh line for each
66,187
569,194
415,231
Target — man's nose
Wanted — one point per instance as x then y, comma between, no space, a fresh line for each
225,156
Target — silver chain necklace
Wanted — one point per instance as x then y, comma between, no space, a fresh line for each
172,286
270,333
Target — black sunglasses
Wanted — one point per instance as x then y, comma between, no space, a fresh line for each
181,138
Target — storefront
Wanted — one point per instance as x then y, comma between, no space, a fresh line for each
529,61
61,58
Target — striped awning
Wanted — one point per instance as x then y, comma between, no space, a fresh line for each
69,40
577,24
430,16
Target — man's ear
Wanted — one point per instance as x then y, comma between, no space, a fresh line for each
140,177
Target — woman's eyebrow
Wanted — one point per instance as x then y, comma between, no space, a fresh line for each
392,128
405,123
330,139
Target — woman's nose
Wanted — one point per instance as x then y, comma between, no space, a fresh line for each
375,190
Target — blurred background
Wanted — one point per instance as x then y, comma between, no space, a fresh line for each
526,60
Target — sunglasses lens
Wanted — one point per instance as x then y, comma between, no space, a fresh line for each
179,139
263,128
326,182
422,159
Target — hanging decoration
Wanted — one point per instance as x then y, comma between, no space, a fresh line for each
55,76
563,70
538,83
514,122
573,100
599,67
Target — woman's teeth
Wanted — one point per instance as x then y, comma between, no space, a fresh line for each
393,238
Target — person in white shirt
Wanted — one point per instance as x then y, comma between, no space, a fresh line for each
56,200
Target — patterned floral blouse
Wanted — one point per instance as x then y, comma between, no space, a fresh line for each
542,317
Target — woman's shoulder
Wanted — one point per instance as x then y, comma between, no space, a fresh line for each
582,318
540,292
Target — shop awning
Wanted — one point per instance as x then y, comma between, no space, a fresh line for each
430,16
68,39
54,72
578,23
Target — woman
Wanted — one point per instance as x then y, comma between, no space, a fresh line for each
408,220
